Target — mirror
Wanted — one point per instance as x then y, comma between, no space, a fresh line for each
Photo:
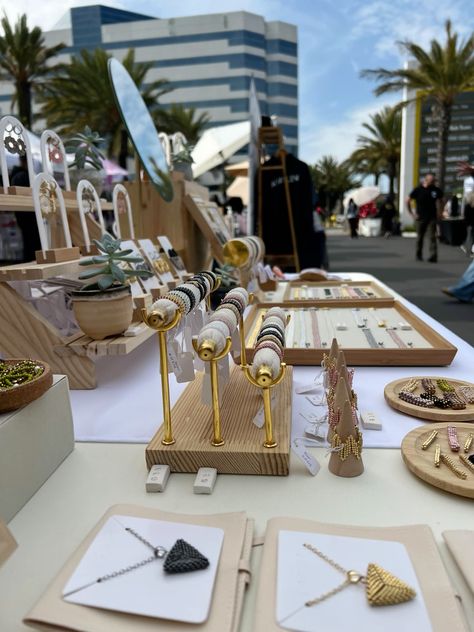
141,129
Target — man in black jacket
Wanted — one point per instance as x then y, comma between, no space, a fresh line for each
428,198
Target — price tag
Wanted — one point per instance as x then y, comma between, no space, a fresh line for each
186,365
173,364
223,373
311,386
308,460
235,348
259,419
316,400
206,393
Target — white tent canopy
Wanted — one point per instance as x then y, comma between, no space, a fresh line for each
240,188
361,195
217,144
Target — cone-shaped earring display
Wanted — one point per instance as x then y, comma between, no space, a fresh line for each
341,395
346,459
341,369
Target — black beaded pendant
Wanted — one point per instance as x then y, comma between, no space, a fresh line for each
184,558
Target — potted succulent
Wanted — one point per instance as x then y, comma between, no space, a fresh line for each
182,160
105,307
88,159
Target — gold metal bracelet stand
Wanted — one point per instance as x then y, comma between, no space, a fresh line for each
207,352
157,321
263,380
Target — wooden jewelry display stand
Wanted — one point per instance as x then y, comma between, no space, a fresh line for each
421,462
152,216
243,451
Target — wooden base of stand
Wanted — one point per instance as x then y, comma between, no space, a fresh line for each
243,451
57,255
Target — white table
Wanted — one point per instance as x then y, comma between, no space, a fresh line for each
97,475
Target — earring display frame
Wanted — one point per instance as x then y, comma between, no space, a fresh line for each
336,292
430,414
370,333
421,462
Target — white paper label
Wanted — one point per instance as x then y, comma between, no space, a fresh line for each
206,393
186,365
173,364
235,348
308,460
259,419
311,386
316,400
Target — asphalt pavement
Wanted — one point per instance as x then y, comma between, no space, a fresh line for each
393,262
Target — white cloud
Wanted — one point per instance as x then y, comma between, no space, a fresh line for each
338,139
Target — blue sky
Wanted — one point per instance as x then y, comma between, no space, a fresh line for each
337,38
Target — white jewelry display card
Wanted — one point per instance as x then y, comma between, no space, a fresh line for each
303,576
147,590
151,282
156,260
173,256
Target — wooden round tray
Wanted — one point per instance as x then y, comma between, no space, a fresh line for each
19,396
430,414
421,462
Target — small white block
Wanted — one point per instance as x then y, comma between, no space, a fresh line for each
205,480
157,478
405,326
341,326
370,421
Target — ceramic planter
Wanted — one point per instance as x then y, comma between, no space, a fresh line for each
100,314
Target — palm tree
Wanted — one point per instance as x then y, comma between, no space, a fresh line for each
25,61
81,94
332,179
380,149
441,73
181,119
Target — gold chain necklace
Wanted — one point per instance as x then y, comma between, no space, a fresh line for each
381,587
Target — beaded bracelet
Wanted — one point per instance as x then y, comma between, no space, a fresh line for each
428,386
181,296
445,386
411,385
178,301
437,401
271,337
454,401
467,393
235,302
415,400
453,439
272,331
230,306
269,344
236,296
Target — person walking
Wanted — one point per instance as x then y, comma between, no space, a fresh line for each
428,198
387,212
464,288
353,218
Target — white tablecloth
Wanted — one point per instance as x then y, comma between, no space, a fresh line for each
126,405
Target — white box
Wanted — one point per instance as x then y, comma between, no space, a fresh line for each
34,440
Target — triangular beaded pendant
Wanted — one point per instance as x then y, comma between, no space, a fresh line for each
384,589
184,558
